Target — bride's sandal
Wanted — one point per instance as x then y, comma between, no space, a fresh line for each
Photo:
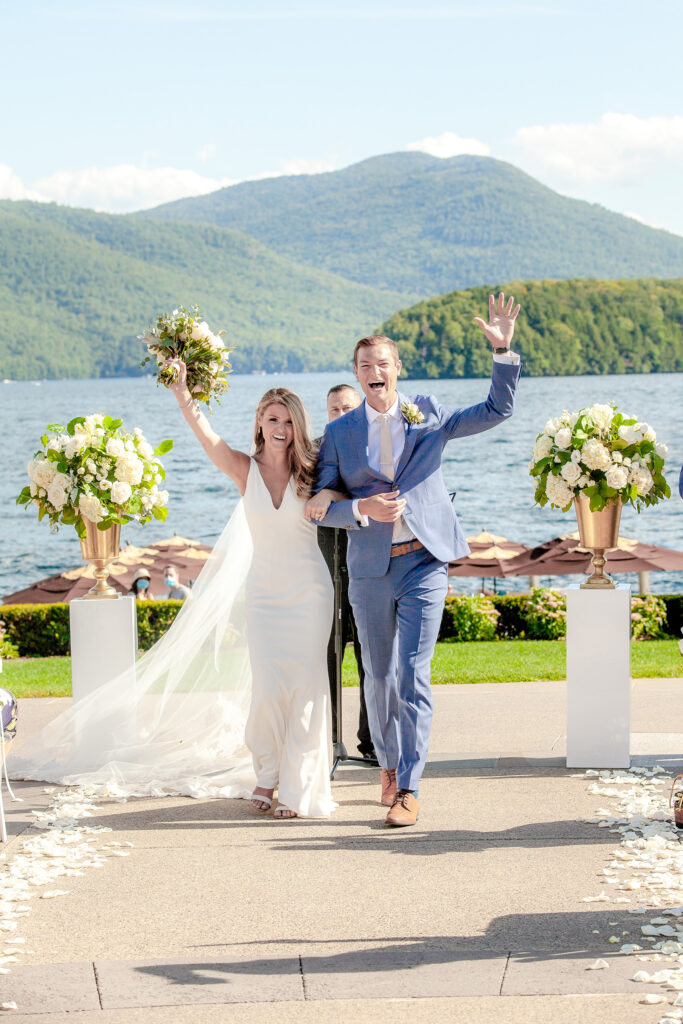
261,802
284,813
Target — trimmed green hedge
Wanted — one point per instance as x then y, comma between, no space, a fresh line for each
42,630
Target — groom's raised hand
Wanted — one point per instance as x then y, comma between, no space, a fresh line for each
384,508
501,325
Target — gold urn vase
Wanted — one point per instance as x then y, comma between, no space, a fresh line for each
100,547
598,531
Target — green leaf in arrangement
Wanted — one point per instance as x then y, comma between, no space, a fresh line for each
164,447
57,428
597,503
107,423
71,425
44,439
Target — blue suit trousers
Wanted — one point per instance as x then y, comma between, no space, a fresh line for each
398,616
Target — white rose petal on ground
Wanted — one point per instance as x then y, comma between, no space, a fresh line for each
599,965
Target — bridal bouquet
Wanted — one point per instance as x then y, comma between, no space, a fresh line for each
93,469
183,335
600,453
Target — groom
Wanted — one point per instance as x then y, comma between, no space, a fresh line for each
386,454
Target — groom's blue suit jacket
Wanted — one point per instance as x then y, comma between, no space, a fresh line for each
343,466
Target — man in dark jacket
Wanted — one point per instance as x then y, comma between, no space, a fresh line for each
342,398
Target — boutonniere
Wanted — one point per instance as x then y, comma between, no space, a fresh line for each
411,413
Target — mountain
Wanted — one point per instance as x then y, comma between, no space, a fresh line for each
564,327
415,223
77,287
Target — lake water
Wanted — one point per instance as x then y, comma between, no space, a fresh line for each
488,471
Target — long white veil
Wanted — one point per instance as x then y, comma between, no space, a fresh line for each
174,724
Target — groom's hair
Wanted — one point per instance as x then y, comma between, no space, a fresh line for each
374,339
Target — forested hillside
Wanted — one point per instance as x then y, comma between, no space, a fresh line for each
564,327
77,287
415,223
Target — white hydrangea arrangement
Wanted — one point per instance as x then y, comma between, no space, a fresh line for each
600,453
183,335
94,470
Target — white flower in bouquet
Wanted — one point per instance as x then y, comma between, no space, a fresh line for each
42,471
543,447
602,454
616,476
129,468
91,508
595,455
184,336
631,433
641,477
563,438
571,472
601,416
94,471
57,493
120,492
557,491
114,447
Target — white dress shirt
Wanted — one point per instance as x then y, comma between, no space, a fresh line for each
402,531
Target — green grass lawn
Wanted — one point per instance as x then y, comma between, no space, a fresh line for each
498,661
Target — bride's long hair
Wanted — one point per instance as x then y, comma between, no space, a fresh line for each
302,455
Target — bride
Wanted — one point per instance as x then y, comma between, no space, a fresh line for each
234,699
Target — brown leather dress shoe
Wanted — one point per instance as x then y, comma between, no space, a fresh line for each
403,810
388,777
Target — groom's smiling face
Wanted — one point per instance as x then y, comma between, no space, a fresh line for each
377,370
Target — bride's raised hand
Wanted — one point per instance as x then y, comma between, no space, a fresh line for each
174,376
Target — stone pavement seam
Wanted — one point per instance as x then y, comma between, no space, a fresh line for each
97,984
303,978
505,970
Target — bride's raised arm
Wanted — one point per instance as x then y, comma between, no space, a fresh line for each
233,463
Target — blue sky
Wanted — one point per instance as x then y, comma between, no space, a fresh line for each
121,106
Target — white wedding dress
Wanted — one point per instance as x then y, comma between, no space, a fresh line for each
289,605
176,723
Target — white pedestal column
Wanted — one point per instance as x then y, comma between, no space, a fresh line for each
598,677
104,644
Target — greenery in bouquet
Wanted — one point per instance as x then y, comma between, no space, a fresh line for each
94,470
183,335
600,453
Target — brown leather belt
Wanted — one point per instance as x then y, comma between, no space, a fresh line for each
403,549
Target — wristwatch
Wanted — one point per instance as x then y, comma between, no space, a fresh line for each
501,351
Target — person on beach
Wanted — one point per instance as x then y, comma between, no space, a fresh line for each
342,398
139,588
177,591
289,603
386,455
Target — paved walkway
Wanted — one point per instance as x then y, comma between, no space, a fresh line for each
475,915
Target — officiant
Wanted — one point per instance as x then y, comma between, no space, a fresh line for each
342,398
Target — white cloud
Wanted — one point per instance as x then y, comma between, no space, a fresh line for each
125,187
450,144
619,148
12,187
